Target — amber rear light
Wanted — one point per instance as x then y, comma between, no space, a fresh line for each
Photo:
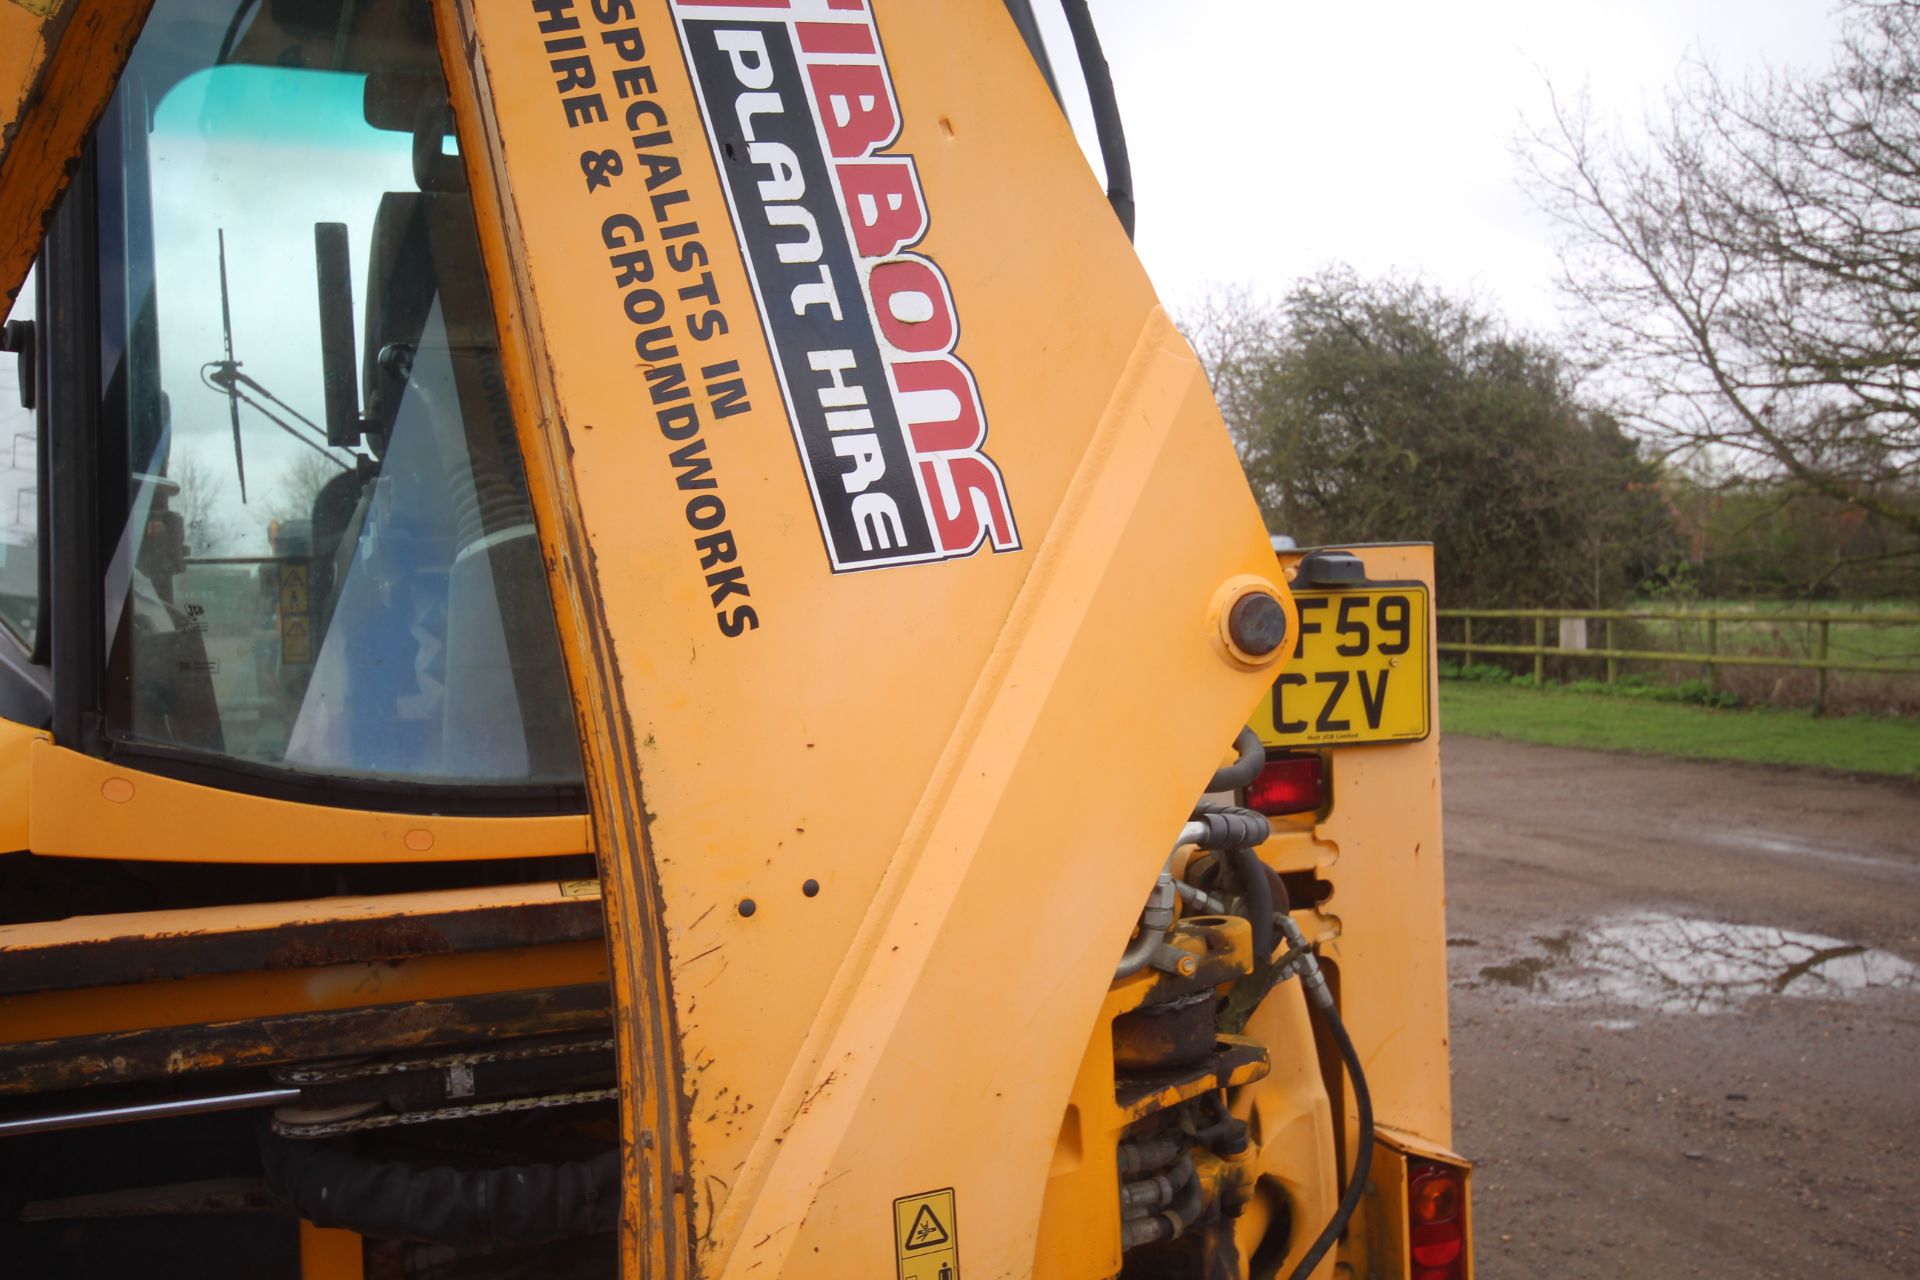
1436,1195
1290,784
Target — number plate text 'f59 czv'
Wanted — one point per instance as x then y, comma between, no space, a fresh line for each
1360,671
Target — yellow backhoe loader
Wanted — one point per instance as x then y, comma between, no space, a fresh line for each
630,647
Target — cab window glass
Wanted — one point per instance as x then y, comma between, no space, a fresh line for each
19,487
320,551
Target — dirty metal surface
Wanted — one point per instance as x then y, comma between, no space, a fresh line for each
67,955
1233,1061
121,1057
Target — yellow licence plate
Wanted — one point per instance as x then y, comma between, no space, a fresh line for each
1359,671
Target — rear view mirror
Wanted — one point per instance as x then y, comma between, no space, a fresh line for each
339,371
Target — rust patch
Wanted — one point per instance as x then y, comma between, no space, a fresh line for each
120,1057
119,960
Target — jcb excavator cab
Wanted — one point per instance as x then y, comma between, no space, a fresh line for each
369,590
559,689
348,609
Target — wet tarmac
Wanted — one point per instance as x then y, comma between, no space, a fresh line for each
1686,1016
1654,962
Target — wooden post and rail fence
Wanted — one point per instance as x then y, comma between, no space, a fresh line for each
1711,661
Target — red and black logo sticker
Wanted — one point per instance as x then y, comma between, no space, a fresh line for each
800,111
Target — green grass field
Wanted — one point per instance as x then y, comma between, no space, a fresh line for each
1556,717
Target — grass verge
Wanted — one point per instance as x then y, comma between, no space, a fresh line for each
1560,718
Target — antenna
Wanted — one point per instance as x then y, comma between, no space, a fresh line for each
229,367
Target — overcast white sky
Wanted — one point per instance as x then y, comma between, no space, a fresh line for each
1270,138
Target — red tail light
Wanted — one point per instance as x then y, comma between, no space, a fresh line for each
1291,784
1436,1217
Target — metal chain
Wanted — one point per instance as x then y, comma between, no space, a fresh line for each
374,1070
391,1119
465,1061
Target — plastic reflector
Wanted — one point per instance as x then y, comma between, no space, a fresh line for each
1437,1245
1434,1202
1291,784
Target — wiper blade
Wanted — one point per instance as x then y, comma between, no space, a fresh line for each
225,376
230,368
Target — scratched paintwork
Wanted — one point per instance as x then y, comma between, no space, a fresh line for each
59,61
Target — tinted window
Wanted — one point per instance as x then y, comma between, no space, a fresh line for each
19,490
320,549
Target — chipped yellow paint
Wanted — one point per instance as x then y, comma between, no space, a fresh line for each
936,745
59,61
947,752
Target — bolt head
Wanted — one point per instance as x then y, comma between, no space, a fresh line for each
1188,966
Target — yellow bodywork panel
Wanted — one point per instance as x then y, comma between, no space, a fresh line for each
60,803
219,997
1376,865
17,745
978,753
59,61
82,807
1382,927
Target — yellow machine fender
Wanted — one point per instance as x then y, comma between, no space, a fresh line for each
871,859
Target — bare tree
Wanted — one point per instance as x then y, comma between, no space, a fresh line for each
201,504
1752,272
1234,330
299,485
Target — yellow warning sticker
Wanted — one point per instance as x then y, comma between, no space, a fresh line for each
296,631
927,1236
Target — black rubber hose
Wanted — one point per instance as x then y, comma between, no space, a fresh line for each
1226,1136
1363,1158
1106,111
469,1210
1257,888
1244,770
1228,827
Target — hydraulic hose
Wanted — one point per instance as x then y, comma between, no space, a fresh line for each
1156,1191
1258,891
1173,1221
1106,111
1244,770
1227,827
1149,1154
1321,1000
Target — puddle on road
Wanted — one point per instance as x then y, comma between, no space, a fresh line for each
1678,964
